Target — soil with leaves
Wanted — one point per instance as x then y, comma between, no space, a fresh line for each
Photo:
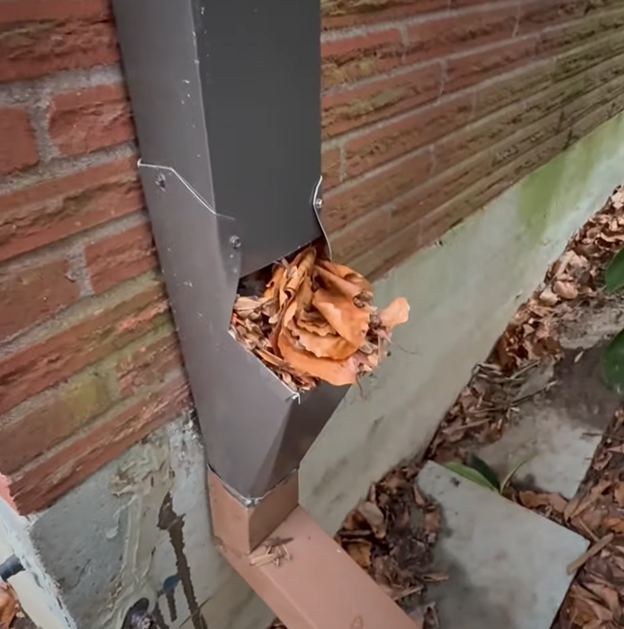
393,532
521,367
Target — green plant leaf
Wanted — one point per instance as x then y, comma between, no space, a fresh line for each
615,274
512,472
471,474
613,363
484,469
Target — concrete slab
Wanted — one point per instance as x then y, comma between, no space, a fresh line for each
559,429
507,565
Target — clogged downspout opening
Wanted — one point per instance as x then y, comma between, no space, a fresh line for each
226,102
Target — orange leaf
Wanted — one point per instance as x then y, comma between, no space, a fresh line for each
8,606
335,372
346,273
343,315
337,284
272,289
395,314
329,346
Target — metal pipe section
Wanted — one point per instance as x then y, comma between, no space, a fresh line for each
226,99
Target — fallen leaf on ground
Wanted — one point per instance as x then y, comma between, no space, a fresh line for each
360,552
375,518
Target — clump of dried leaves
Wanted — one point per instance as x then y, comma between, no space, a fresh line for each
316,321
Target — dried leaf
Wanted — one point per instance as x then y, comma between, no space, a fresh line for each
395,314
608,595
330,346
375,518
548,297
343,315
360,552
335,372
8,605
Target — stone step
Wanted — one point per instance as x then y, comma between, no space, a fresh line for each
558,430
507,565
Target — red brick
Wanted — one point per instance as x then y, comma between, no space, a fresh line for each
16,11
30,295
43,482
18,148
389,253
538,14
526,139
510,89
577,61
438,191
478,137
354,58
350,109
34,432
567,36
397,138
90,119
330,166
149,365
360,236
117,258
467,3
479,66
346,13
44,364
458,33
55,209
34,49
435,224
597,117
342,207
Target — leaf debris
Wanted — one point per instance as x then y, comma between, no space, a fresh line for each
314,321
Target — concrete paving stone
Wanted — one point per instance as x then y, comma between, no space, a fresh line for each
506,564
558,429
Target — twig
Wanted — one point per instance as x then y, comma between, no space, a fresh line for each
592,552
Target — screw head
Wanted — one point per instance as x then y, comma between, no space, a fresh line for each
318,204
235,242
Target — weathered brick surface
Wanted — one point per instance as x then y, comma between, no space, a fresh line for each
431,108
46,288
421,128
149,364
476,67
34,49
354,58
458,33
347,13
347,110
114,259
47,362
90,119
18,146
40,484
50,211
32,433
387,184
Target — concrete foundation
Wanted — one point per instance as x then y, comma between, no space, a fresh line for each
140,527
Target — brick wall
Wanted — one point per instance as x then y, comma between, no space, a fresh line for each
429,111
